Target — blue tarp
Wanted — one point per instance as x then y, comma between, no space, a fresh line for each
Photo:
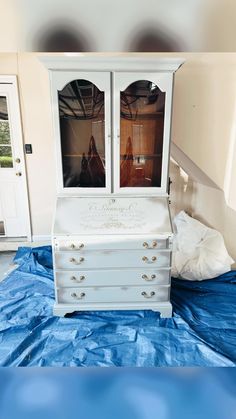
201,332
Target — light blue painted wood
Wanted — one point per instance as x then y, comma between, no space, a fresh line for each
113,277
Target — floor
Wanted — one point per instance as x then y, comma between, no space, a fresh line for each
8,250
6,263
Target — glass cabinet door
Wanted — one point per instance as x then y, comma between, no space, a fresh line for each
143,132
84,135
6,160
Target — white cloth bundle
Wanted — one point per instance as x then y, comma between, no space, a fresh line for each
199,251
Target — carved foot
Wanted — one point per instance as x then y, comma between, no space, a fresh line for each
165,311
61,311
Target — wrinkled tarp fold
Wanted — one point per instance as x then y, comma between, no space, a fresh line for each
201,332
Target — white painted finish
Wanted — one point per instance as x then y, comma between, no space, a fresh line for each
120,82
97,69
109,62
190,167
112,252
103,259
128,277
165,309
124,294
112,216
102,81
14,205
81,243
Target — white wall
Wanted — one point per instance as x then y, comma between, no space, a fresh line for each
204,128
37,126
204,112
203,203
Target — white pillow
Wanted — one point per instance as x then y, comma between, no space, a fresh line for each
199,252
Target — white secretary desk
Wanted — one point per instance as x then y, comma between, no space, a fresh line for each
112,233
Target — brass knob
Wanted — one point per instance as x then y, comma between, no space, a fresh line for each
145,259
145,244
73,260
17,160
18,174
152,293
73,246
81,278
154,244
78,297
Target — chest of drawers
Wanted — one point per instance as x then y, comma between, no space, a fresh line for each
98,266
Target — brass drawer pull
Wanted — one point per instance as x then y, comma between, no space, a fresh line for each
78,297
146,245
147,278
73,246
73,260
81,278
146,259
152,293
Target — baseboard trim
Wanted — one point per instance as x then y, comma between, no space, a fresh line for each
12,245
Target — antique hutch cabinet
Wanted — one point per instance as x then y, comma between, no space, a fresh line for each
112,233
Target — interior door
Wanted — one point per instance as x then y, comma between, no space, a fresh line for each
82,122
14,209
142,118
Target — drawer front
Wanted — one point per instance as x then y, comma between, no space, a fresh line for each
109,243
112,278
112,294
112,259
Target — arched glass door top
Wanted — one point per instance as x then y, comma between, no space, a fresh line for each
142,112
82,132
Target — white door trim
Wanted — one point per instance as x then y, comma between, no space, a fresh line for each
16,129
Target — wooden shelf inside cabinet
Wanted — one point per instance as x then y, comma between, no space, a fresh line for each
141,156
80,155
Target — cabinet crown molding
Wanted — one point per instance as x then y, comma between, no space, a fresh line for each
130,62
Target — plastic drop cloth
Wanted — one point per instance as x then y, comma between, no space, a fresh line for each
201,332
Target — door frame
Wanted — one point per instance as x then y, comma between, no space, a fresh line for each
121,80
59,79
17,133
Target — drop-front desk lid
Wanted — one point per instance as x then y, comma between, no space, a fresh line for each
112,215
